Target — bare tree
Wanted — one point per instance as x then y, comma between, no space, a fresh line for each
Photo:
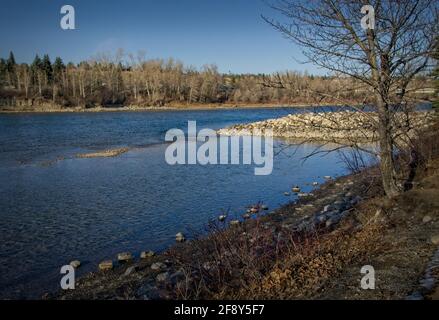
385,57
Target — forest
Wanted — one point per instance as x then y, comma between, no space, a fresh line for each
115,80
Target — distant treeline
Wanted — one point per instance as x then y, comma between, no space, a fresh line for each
110,81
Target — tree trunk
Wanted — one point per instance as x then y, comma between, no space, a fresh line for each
387,163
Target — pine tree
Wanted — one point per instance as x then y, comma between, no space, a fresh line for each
58,69
58,66
10,64
2,71
36,73
47,68
10,69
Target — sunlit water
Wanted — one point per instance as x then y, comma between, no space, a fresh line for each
52,212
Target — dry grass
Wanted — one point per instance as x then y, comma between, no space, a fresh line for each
260,261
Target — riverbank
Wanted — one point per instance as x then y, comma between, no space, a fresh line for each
170,107
310,249
329,126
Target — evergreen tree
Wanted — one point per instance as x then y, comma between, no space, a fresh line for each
36,71
10,69
2,71
58,66
37,63
58,69
10,64
47,68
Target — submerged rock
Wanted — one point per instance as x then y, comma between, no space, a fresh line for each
124,257
106,265
254,210
222,218
179,237
147,254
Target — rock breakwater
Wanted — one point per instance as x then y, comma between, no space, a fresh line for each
329,126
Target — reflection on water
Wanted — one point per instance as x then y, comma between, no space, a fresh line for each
91,209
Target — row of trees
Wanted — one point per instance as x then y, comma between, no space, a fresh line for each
114,80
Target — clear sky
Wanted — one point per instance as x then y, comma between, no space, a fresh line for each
228,33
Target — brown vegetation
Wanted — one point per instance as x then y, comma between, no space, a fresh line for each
124,80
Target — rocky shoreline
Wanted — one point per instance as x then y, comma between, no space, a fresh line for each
343,207
326,126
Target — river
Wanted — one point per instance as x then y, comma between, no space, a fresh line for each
52,212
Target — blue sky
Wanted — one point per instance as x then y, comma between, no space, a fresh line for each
228,33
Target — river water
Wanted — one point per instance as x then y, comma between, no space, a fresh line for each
52,212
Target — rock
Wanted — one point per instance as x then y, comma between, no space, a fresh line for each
158,266
305,195
124,257
75,264
147,254
426,219
320,219
315,183
415,296
234,222
286,193
246,216
327,177
222,218
356,200
162,277
326,208
427,283
106,265
130,270
254,210
296,189
329,222
264,207
179,237
435,239
148,292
